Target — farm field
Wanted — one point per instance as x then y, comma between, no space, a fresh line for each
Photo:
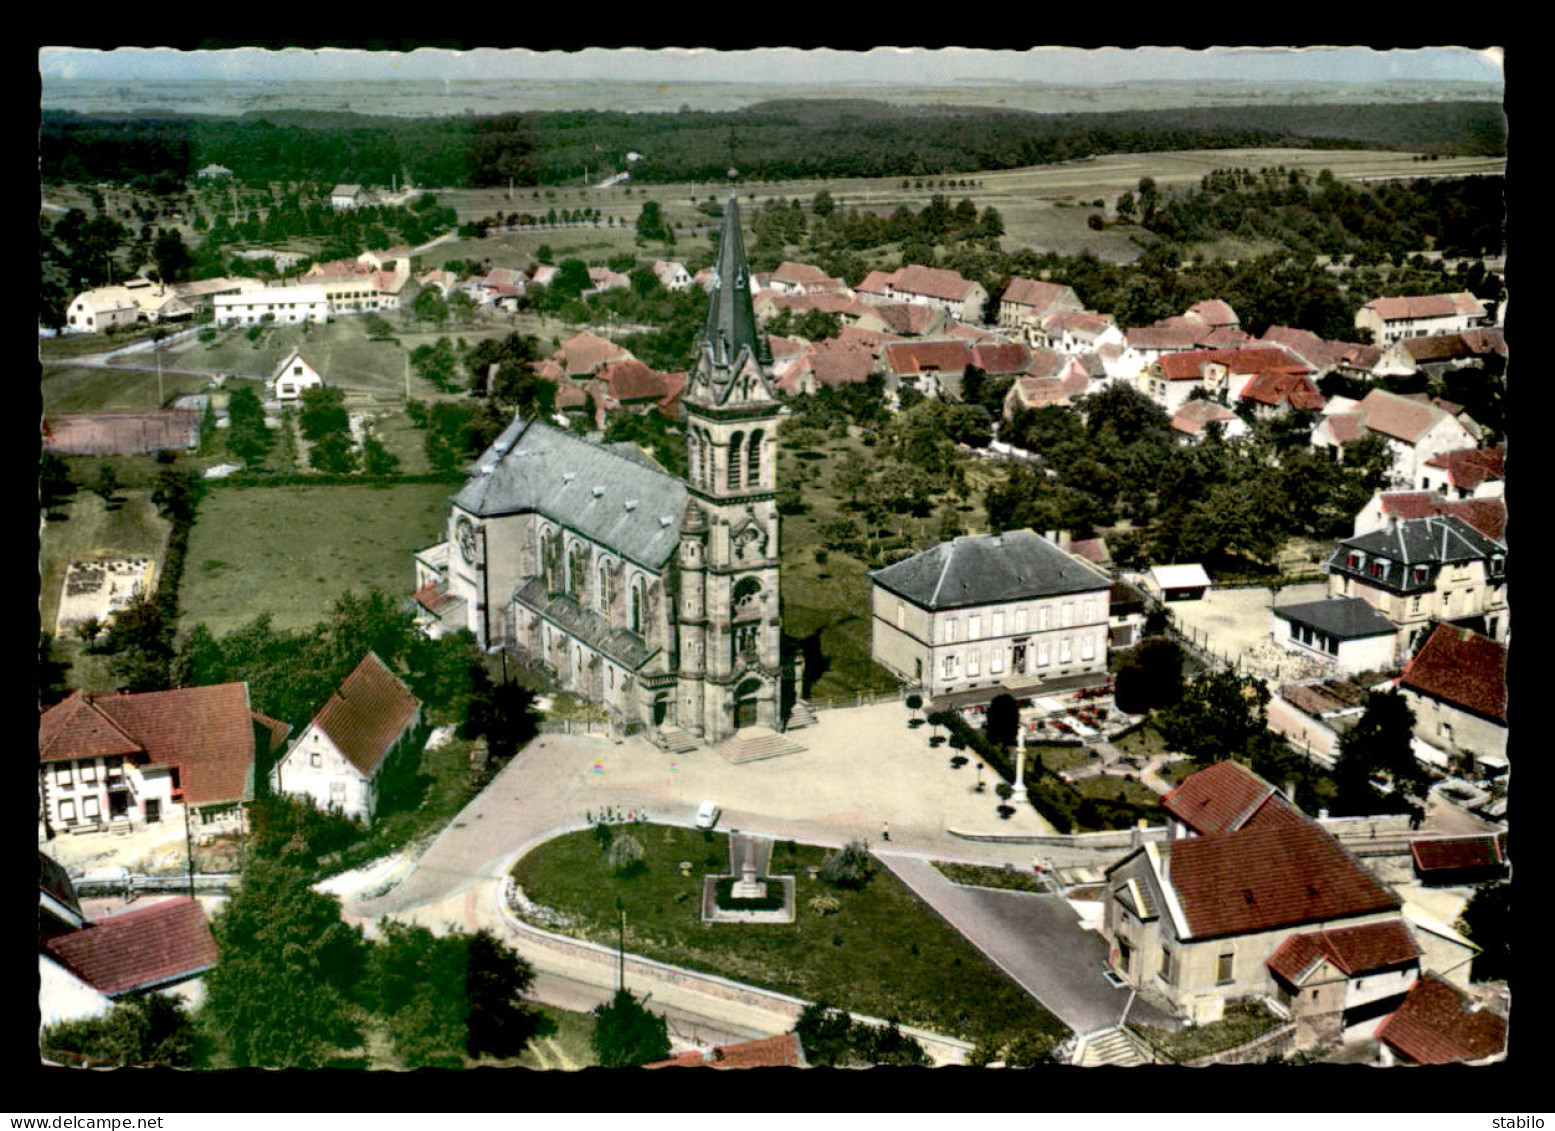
1041,205
291,551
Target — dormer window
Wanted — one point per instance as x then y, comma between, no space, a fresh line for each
1497,565
1355,560
1421,575
1379,569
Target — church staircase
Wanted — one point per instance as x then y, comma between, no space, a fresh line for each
755,743
1108,1046
675,740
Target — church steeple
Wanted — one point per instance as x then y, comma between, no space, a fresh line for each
731,321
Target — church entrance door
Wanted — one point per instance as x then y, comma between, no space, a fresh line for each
745,704
661,707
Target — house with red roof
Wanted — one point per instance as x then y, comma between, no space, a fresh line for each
1468,473
338,762
1335,980
1229,373
1415,432
1198,918
781,1051
1193,419
1073,332
923,365
1438,1024
1456,684
1028,301
803,278
1441,353
1488,516
1045,392
1458,860
123,761
848,359
585,354
959,297
904,319
1274,393
1388,320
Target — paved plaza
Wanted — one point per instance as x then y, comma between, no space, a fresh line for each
1235,624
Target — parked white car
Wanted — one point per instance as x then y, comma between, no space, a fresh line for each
707,815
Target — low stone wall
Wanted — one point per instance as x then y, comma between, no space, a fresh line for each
941,1049
1276,1042
1113,840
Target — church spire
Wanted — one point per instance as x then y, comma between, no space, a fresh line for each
731,321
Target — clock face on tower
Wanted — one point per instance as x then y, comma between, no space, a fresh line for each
464,531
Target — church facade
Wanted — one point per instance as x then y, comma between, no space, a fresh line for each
656,596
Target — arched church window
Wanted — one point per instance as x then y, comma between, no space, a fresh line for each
550,560
607,594
577,571
753,460
735,459
745,591
638,604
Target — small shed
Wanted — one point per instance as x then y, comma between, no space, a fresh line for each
1456,860
1341,632
1178,582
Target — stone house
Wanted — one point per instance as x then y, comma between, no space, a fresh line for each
1456,685
990,609
1415,432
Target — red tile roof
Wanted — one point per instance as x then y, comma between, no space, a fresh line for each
585,353
1215,312
1434,1025
1189,366
1043,392
1163,337
804,275
781,1051
1461,668
1260,879
1225,797
138,949
833,302
1195,415
1083,322
1451,853
1488,516
934,282
1275,388
1399,417
1035,293
921,357
1351,950
367,715
631,380
1000,357
1426,306
1046,363
207,732
1469,467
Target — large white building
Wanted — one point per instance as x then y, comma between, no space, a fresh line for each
280,305
990,609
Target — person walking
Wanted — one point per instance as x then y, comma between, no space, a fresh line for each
885,833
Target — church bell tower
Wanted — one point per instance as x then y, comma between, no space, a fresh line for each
730,623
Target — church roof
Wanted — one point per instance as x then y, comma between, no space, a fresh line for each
731,320
608,494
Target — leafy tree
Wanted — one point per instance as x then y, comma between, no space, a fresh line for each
281,997
106,484
1003,722
413,980
323,412
377,459
1150,676
650,224
627,1035
140,642
1220,715
248,437
831,1038
173,258
503,714
135,1032
333,453
1380,747
625,856
430,306
497,978
1488,921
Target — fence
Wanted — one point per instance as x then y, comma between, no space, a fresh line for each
862,699
574,726
130,885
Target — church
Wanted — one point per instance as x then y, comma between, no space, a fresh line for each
653,595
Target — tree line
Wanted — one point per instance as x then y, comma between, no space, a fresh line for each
772,141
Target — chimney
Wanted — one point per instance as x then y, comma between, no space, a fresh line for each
1063,539
1051,536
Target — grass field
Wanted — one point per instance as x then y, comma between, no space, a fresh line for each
78,388
881,953
291,551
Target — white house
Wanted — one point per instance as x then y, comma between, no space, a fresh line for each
1415,431
1389,320
338,761
292,377
1343,633
673,276
280,305
107,308
347,196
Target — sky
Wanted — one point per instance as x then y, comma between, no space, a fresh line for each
897,66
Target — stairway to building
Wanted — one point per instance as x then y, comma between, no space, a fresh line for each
800,715
677,741
754,743
1108,1046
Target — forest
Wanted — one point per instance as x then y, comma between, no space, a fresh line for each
771,141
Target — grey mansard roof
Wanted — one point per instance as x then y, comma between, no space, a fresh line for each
988,569
609,493
1345,618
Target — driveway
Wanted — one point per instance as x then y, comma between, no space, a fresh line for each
1036,939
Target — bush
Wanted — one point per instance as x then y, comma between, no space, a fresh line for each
824,904
849,867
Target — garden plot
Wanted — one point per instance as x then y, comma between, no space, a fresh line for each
97,588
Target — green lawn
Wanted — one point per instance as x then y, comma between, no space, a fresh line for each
1144,743
1117,789
1060,758
565,1041
1243,1021
291,551
883,953
75,388
78,345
